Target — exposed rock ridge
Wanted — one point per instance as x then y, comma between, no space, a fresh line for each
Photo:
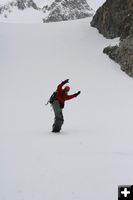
115,19
61,10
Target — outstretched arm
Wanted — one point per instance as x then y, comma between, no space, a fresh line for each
59,88
68,97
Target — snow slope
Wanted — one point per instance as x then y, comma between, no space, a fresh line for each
93,153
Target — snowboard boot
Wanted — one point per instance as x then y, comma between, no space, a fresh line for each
55,131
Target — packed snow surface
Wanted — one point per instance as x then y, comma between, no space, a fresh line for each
93,154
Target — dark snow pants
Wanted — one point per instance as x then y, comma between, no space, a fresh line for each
58,121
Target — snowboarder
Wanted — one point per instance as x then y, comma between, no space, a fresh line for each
61,95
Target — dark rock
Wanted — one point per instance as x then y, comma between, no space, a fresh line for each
115,19
112,52
22,4
122,54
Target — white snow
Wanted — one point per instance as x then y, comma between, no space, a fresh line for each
41,3
93,153
95,4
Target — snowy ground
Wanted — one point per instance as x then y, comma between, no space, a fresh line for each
94,153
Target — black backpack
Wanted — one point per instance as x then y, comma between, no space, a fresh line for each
52,98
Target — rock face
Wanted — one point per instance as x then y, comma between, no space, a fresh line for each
115,19
122,54
22,4
62,10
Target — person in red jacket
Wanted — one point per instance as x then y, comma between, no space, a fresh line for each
59,103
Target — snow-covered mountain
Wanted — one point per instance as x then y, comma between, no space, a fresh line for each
31,11
19,4
62,10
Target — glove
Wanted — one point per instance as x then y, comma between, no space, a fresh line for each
65,81
76,94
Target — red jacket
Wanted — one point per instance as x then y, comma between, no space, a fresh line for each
61,96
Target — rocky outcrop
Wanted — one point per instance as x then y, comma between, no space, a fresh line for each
62,10
22,4
122,54
115,19
112,18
